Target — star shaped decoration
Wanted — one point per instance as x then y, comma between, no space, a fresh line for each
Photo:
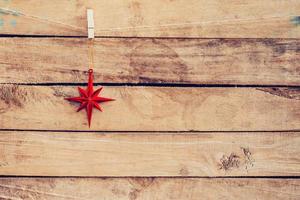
89,98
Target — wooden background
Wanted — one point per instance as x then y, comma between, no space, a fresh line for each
208,100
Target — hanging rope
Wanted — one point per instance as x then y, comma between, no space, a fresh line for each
91,53
219,22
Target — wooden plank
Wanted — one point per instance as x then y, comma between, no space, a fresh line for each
156,18
148,188
153,109
196,61
149,154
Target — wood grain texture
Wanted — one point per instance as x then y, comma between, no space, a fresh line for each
153,109
148,188
185,61
156,18
149,154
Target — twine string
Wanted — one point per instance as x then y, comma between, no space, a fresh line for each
212,22
8,11
91,53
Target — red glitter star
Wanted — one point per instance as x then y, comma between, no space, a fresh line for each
89,98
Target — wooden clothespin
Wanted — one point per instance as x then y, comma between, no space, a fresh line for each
91,25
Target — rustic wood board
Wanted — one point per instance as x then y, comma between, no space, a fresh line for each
153,109
156,18
34,153
148,188
193,126
185,61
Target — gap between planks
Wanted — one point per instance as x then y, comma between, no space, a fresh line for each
166,85
152,132
137,37
145,177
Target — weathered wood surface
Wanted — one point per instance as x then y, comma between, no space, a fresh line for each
148,188
196,61
147,154
153,109
156,18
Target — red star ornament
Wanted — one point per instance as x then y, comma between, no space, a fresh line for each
89,98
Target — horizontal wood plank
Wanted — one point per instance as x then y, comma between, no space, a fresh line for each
156,18
153,109
149,154
184,61
148,188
